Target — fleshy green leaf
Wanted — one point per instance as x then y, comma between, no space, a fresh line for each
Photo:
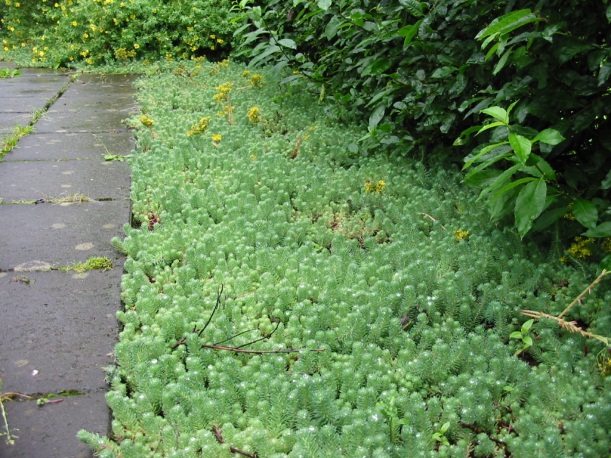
529,205
521,146
585,212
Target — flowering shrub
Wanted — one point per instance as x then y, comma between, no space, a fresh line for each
101,31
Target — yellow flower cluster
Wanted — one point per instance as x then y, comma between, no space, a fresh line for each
145,120
216,139
255,79
200,127
254,115
375,186
460,234
124,54
580,249
223,92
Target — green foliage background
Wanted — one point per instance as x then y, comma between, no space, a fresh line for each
98,32
417,71
324,241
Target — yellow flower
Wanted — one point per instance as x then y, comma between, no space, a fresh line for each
74,23
581,248
148,122
375,186
200,127
254,115
460,234
216,138
136,46
256,80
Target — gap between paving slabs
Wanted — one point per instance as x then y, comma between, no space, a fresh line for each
62,204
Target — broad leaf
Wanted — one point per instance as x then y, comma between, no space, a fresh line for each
497,113
512,185
492,125
287,43
508,23
602,230
502,61
376,117
585,212
333,26
521,146
529,205
483,151
549,136
324,4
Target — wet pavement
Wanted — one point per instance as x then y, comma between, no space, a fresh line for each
61,203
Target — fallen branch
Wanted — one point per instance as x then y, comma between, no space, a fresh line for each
218,435
585,291
257,352
570,326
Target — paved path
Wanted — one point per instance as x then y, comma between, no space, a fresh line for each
58,328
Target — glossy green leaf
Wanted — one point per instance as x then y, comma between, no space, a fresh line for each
324,4
376,117
508,23
497,113
484,150
602,230
287,43
502,61
585,212
512,185
529,205
408,32
521,146
549,136
333,26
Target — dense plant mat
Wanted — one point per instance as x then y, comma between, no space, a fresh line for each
286,296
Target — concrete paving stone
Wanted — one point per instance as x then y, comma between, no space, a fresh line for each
83,120
50,431
8,121
23,104
28,86
63,329
52,234
98,101
33,180
36,147
109,80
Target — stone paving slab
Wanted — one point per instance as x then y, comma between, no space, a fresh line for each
33,85
64,146
83,120
33,180
50,431
63,330
49,234
9,120
23,104
96,101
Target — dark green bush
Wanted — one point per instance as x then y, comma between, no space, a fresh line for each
417,71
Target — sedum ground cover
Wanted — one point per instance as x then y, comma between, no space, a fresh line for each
285,296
